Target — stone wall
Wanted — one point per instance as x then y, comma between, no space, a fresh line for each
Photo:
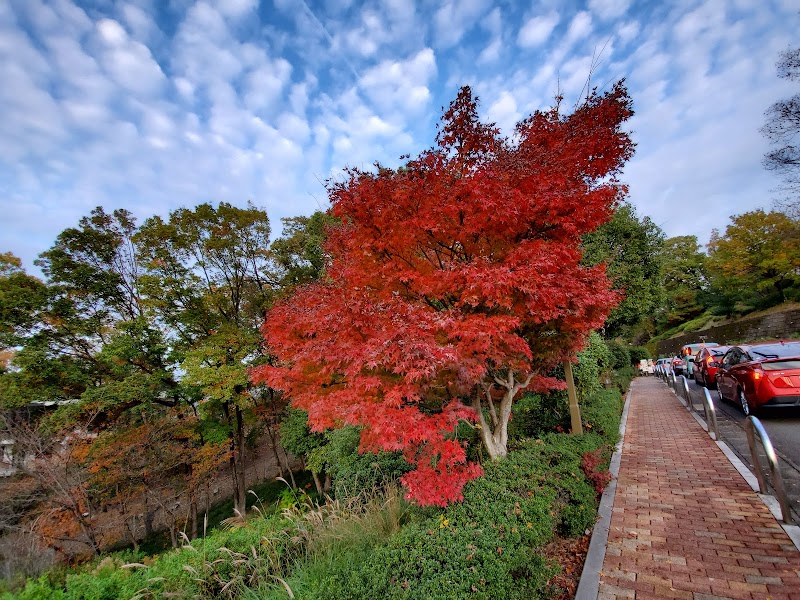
772,326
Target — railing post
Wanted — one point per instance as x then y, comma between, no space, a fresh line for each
753,426
686,395
711,413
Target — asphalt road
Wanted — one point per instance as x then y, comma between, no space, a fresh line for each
783,428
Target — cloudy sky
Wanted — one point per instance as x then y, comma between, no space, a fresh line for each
151,105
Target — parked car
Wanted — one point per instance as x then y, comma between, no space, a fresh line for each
705,371
662,364
677,365
689,354
646,367
760,375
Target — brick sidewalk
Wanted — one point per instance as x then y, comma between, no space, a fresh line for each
684,523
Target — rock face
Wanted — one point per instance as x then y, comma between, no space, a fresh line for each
772,326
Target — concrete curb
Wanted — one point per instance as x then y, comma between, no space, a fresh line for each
589,584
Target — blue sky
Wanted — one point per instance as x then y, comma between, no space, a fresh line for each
151,105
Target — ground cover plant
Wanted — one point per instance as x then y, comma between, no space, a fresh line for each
377,544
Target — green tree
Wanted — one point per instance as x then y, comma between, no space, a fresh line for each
630,246
298,253
757,261
684,280
209,279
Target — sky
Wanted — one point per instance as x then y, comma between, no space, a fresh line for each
153,105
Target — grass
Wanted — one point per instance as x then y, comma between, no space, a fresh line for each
375,544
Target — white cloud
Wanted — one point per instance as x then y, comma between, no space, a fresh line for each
537,30
401,85
235,9
609,9
504,112
579,28
128,62
455,18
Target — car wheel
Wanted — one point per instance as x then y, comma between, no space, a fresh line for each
745,405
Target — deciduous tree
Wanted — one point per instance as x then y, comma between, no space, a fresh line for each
783,130
630,246
758,257
454,283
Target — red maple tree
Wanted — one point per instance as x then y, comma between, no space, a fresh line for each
453,283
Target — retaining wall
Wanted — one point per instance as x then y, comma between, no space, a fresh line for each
772,326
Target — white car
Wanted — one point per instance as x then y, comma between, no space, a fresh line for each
646,367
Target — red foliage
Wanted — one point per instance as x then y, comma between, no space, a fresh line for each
591,463
457,268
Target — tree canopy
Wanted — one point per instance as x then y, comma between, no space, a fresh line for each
783,130
453,283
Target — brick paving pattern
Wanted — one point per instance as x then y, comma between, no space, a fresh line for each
684,523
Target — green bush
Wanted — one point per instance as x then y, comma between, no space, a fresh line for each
601,414
593,360
486,546
639,353
352,471
621,356
533,415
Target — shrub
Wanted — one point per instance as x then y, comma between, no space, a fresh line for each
601,414
621,356
488,545
592,362
639,353
533,415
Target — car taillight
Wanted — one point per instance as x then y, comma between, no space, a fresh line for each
757,374
709,360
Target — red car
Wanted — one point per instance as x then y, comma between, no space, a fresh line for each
760,375
705,370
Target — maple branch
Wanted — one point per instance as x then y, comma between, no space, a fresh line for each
476,406
487,388
522,386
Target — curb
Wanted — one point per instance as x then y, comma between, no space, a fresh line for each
589,584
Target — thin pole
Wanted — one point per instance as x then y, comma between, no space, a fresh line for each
574,409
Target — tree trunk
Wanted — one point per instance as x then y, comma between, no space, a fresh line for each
494,432
236,438
193,512
241,490
317,482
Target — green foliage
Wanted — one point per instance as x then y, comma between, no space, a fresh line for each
593,360
298,253
486,546
601,412
621,355
296,436
533,415
639,353
755,262
684,279
631,248
352,471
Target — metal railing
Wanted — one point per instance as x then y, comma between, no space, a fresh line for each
753,426
711,414
680,385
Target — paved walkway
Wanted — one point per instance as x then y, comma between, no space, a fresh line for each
685,524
